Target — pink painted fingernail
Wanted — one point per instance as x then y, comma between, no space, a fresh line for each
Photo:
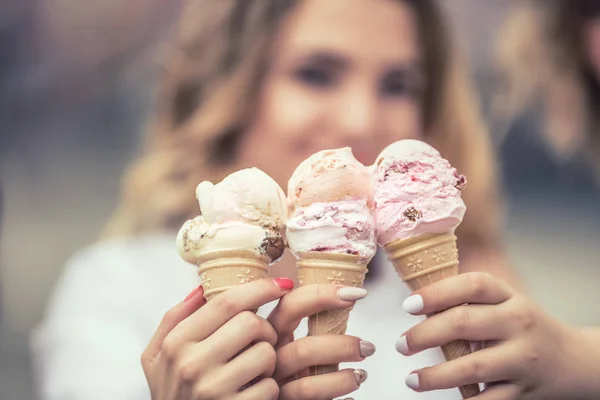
349,293
413,304
284,283
360,375
192,294
402,345
412,381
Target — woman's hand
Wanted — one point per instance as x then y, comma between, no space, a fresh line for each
294,357
525,354
219,350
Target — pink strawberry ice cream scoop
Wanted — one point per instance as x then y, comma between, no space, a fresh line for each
417,192
331,200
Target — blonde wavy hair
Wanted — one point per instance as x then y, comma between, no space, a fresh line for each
219,58
541,61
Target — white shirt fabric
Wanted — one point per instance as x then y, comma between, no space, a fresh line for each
112,296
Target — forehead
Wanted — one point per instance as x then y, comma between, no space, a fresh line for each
375,29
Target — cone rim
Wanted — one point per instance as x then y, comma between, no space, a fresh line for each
231,263
231,253
331,256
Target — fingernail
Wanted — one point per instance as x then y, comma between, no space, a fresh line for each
192,294
284,283
349,293
412,381
360,375
413,304
366,348
402,345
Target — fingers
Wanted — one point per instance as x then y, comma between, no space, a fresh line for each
471,322
171,319
473,288
502,391
236,334
319,350
311,299
323,387
258,360
487,365
222,308
195,370
266,389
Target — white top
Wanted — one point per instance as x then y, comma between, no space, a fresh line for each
113,295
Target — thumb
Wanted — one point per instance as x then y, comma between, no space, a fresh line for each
193,302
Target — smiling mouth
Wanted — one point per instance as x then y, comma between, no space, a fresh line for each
362,156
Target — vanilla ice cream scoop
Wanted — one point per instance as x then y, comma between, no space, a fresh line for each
417,192
248,195
245,211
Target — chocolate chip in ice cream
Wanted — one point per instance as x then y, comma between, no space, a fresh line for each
272,245
413,214
396,169
461,182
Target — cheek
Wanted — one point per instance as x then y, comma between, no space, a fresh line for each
276,141
288,112
286,115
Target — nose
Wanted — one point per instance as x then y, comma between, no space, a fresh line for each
357,114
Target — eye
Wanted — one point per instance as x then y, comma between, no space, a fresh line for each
399,85
391,87
315,76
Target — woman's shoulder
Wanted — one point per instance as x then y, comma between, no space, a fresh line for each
147,264
143,254
126,249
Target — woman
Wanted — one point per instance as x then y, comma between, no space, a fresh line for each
266,83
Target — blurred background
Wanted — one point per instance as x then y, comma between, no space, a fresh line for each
76,87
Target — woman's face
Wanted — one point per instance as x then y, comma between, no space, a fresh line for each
343,73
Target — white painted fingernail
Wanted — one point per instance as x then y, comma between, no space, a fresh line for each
402,345
367,349
360,375
349,293
413,304
412,381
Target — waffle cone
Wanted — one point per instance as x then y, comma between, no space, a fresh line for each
334,268
221,270
424,260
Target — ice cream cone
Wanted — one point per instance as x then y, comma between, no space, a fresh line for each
426,259
221,270
334,268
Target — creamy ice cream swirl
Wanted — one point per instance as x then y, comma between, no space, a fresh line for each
196,237
344,226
